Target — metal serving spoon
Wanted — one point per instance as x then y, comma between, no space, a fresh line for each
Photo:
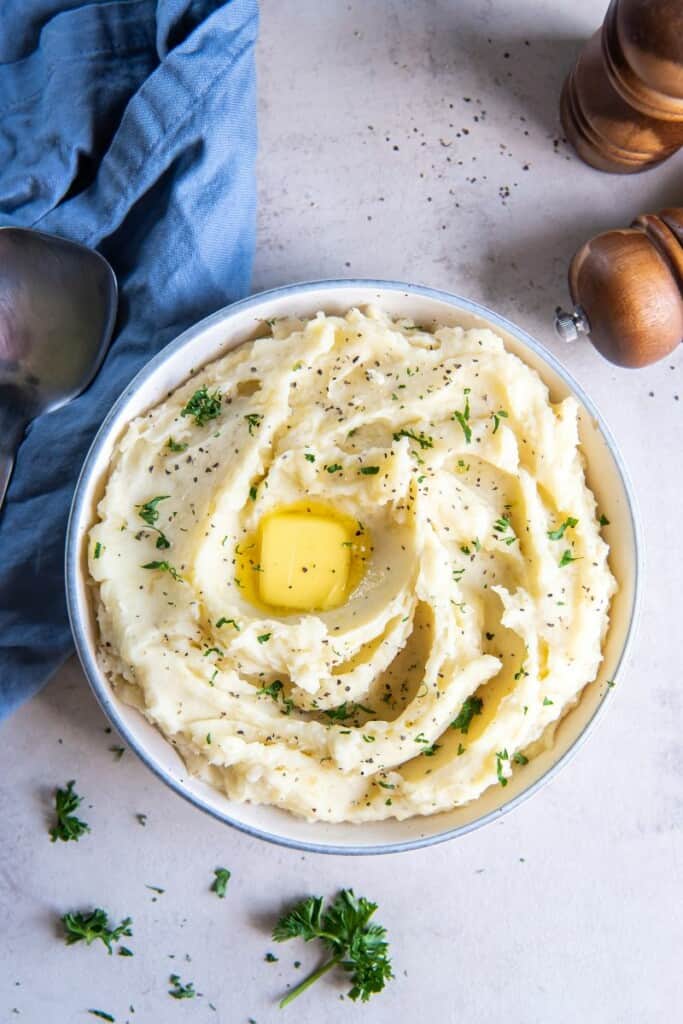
58,304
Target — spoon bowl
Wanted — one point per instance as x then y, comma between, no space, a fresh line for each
58,303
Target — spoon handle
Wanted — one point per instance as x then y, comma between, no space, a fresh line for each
13,422
6,466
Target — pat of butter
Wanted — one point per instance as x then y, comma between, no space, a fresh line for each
304,561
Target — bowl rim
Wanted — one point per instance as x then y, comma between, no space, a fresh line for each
86,653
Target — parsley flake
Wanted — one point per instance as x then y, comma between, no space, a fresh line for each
164,567
497,417
254,420
558,534
422,439
175,446
472,706
500,757
180,991
567,557
220,882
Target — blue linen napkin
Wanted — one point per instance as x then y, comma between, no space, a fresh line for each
129,126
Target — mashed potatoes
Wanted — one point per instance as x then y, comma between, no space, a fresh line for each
353,569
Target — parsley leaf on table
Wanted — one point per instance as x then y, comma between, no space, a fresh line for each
180,991
86,927
68,825
344,928
220,882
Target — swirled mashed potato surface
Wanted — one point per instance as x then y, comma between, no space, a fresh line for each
428,479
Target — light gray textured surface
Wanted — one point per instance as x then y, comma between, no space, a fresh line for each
373,163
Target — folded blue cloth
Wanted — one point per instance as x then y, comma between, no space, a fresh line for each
129,126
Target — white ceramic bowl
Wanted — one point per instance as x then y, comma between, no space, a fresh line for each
213,337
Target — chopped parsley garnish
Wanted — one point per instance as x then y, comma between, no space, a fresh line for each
102,1015
180,991
175,446
227,622
264,638
369,470
558,534
431,750
275,690
465,549
220,882
610,683
309,457
355,944
252,493
124,951
203,406
334,468
603,520
68,825
567,557
386,785
270,958
99,548
87,927
463,418
254,420
346,710
272,690
149,513
500,757
213,650
497,417
422,439
368,737
164,567
520,758
472,706
547,702
457,574
521,672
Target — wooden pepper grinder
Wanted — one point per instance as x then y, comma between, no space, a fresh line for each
627,289
622,105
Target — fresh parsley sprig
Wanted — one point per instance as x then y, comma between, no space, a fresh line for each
68,825
359,947
87,927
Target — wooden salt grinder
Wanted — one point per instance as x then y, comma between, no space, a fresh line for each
627,289
622,105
